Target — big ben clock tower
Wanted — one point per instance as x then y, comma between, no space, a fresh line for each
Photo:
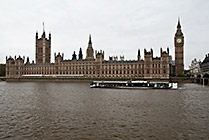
179,50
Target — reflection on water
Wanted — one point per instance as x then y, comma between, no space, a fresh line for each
54,111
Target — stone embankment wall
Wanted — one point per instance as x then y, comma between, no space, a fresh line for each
83,79
202,81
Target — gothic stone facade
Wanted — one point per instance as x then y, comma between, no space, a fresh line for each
205,65
43,49
149,68
95,66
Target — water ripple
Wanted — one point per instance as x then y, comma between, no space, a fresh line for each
54,111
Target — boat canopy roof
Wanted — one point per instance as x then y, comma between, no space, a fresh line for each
158,82
110,82
138,81
119,82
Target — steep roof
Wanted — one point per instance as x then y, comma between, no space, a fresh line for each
206,60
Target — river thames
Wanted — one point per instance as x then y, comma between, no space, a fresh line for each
73,111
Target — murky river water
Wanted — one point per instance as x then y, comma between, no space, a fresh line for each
73,111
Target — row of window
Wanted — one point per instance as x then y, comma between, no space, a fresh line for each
84,67
111,71
94,72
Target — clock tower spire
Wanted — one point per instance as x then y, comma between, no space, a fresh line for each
179,50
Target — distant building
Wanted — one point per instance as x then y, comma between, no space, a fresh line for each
205,64
2,69
194,68
171,66
95,65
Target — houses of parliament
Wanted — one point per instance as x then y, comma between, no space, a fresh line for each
94,64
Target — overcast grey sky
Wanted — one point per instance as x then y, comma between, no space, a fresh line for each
119,27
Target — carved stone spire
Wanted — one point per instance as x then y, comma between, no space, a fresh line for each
90,50
80,56
179,25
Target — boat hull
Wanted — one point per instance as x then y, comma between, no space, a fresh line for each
133,85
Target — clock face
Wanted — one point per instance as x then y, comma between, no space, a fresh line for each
178,40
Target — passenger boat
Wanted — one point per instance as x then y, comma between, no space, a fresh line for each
134,84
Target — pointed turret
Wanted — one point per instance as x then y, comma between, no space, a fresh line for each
36,34
139,56
178,31
74,56
43,35
49,35
90,39
80,56
179,25
27,61
90,50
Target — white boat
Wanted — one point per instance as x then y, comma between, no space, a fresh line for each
134,84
